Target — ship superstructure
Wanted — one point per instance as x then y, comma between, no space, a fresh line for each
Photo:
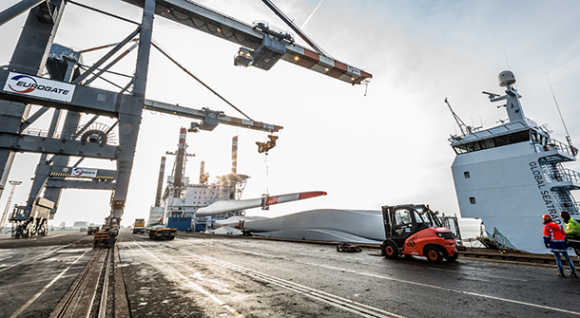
181,199
512,174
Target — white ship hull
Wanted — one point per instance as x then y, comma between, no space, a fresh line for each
510,175
510,191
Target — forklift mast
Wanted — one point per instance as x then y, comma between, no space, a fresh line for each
387,220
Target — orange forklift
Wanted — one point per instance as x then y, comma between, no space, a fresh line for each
415,230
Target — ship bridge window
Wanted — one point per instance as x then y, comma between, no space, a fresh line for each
498,141
539,139
488,143
502,140
466,174
460,149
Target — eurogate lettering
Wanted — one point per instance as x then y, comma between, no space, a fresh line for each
23,84
544,192
33,86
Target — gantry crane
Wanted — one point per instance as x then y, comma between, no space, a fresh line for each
262,45
23,85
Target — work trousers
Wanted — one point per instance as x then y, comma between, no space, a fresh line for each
559,262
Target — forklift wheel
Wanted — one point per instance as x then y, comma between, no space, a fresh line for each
390,250
453,258
434,255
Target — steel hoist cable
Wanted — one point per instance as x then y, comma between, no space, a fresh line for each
158,47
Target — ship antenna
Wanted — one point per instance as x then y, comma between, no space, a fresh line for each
506,59
561,117
465,130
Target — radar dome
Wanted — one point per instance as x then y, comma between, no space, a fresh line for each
506,78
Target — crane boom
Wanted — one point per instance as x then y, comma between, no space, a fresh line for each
266,48
208,116
465,130
294,27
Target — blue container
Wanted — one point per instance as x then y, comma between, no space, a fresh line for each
181,224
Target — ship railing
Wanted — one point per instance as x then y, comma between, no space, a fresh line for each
563,174
571,207
569,175
554,144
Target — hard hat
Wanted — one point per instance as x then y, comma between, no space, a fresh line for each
547,217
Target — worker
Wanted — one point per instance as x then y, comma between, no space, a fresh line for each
572,230
572,227
555,240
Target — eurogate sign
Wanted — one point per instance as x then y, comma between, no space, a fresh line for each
27,85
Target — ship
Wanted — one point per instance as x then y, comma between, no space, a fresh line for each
196,206
177,202
512,174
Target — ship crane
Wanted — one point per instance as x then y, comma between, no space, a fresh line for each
573,149
465,130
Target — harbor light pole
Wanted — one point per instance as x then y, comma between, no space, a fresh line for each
5,214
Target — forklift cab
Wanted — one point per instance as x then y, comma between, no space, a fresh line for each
404,220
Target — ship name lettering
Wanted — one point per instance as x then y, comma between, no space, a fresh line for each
547,199
537,175
544,193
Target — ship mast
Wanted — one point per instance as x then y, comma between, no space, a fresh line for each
512,97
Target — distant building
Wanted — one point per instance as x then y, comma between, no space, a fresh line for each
81,224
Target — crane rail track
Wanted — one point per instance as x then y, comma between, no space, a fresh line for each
81,299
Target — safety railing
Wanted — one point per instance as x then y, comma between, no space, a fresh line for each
562,175
571,207
570,175
554,144
44,134
69,134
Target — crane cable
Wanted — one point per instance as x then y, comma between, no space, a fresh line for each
154,43
266,171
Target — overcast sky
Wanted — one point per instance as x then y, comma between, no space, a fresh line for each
388,147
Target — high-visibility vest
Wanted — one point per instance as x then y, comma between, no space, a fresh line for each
572,229
554,232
